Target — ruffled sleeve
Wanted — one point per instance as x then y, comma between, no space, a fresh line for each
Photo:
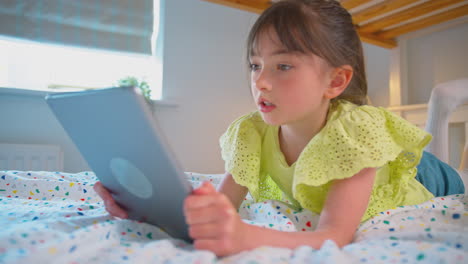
241,150
354,138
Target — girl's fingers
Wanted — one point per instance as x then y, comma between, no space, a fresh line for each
111,206
203,196
205,188
101,191
115,210
205,231
209,214
195,202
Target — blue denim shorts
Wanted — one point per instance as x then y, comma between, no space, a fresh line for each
438,177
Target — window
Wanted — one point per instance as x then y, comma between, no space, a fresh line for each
41,66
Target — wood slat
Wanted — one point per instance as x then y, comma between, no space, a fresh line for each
246,5
380,9
425,22
372,32
409,13
350,4
378,41
257,7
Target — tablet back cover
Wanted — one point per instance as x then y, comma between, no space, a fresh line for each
117,134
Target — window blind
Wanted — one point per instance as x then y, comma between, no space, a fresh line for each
119,25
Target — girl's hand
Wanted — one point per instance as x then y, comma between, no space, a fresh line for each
214,223
111,206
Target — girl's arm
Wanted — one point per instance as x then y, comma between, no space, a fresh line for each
346,203
235,192
215,225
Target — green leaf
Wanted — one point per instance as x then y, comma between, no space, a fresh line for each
133,81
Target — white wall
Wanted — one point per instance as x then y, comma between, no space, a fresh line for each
26,119
435,58
377,62
205,74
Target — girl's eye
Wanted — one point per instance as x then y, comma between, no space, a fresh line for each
254,67
284,67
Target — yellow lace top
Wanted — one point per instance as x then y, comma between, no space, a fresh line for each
354,138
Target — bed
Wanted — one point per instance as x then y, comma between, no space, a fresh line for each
56,217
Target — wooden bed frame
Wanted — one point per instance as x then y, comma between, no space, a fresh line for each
380,22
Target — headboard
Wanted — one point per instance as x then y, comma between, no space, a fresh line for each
418,115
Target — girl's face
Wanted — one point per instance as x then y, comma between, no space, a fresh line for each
288,87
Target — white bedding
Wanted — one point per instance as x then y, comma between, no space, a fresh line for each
52,217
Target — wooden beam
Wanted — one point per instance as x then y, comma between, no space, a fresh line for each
246,5
425,22
409,13
259,6
350,4
371,39
380,9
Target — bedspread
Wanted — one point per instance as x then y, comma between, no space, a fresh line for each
54,217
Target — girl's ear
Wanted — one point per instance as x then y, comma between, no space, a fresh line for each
340,78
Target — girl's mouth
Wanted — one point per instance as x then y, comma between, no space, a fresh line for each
266,106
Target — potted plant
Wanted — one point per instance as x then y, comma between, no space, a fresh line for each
133,81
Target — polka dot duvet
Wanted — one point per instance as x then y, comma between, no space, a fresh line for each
55,217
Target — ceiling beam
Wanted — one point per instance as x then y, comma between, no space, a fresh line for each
350,4
259,6
406,14
425,22
378,41
380,9
246,5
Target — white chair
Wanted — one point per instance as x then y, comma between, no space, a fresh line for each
445,98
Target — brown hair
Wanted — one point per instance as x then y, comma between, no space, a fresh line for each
322,27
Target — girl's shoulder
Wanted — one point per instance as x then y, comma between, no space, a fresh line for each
342,109
250,120
241,150
248,128
369,118
357,137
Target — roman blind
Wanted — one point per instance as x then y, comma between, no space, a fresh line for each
119,25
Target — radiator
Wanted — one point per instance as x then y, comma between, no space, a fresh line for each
28,157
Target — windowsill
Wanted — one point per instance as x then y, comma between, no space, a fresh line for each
38,93
22,92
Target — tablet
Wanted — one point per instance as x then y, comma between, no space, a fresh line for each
117,134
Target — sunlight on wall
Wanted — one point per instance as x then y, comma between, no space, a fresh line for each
37,66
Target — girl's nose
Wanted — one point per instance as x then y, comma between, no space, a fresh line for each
261,81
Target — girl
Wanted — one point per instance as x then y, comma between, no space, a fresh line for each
313,142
